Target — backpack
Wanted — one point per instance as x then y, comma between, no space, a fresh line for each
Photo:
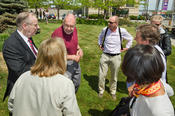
122,109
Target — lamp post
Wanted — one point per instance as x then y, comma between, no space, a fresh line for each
157,6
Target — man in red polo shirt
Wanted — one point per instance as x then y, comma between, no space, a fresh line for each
68,32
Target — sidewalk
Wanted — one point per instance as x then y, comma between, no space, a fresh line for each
173,42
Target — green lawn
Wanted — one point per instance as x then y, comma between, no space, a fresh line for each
89,102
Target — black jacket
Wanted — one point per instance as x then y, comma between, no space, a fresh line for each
165,43
18,57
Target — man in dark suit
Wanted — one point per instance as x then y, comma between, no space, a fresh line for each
19,51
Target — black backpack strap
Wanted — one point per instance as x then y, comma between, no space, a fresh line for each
104,36
133,101
120,38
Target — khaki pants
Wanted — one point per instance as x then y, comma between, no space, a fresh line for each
114,64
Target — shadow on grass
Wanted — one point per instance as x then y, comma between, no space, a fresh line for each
95,112
93,82
121,87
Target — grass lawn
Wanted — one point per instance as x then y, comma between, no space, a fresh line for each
89,102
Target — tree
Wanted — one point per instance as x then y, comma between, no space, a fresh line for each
61,4
8,12
109,4
36,4
98,4
85,4
145,3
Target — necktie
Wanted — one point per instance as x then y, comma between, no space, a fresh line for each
32,47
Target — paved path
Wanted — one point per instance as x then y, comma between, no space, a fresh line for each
173,42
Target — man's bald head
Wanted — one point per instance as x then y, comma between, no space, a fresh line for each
69,23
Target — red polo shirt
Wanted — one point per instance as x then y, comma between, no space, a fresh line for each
71,41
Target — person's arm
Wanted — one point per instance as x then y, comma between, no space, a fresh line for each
169,90
100,38
79,52
74,57
166,44
127,36
16,59
11,98
70,106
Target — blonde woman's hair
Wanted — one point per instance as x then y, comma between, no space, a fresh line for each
51,58
158,18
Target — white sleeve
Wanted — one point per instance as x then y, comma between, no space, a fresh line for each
11,98
169,90
70,106
100,37
127,36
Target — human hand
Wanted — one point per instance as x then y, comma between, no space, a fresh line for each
130,90
102,48
124,49
76,58
80,52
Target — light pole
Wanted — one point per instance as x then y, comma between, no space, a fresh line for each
157,6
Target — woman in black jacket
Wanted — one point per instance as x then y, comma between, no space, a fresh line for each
165,42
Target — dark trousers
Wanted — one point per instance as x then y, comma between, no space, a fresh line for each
74,73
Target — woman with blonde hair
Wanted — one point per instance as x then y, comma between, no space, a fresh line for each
45,91
164,42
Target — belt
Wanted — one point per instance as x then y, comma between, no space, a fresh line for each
112,54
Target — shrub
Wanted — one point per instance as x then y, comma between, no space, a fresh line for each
125,22
96,16
91,22
13,16
3,37
5,23
3,27
132,17
140,17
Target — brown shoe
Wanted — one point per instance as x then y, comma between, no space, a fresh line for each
113,96
100,95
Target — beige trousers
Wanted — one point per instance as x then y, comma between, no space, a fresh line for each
113,62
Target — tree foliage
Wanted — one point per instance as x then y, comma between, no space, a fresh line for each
8,12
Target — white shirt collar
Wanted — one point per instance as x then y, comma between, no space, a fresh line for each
23,36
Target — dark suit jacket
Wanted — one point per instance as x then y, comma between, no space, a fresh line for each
18,57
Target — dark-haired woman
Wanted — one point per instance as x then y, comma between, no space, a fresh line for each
143,65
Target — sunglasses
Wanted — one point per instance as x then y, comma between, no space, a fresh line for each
111,22
157,24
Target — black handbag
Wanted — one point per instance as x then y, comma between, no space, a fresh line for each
122,109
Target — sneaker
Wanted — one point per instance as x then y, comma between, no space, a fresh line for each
100,95
113,96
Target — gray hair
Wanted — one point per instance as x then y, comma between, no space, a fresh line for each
23,18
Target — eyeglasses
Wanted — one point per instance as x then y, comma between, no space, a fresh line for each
35,25
111,22
69,26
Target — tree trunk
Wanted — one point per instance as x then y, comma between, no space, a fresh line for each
147,11
157,6
105,13
36,11
58,12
